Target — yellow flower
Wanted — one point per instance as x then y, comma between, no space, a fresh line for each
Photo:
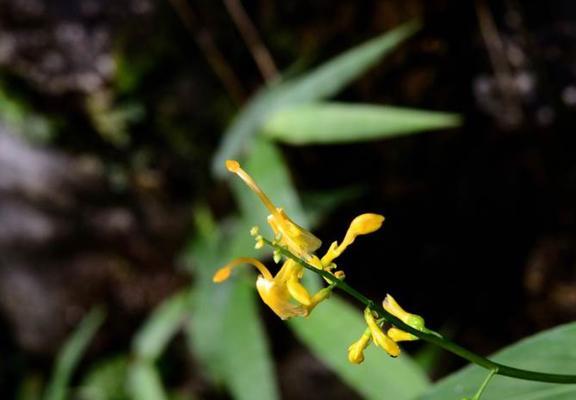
298,240
283,293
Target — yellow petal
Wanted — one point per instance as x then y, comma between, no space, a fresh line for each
356,349
224,273
298,292
298,240
361,225
365,224
278,299
380,339
399,335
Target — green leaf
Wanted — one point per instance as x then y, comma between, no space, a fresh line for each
161,326
106,380
144,382
552,351
328,332
340,122
70,355
249,367
209,325
322,82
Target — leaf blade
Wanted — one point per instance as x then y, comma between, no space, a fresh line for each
331,122
324,81
71,353
551,351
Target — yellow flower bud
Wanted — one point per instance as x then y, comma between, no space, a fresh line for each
361,225
356,349
413,320
365,224
399,335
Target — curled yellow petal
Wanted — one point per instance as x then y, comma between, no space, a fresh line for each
224,273
276,296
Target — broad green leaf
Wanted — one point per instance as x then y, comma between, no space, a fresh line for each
161,326
106,380
328,332
211,300
322,82
552,351
214,301
340,122
247,361
144,382
70,355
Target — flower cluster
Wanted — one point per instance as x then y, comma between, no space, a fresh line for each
284,292
387,341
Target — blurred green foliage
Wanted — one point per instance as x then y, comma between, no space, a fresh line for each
222,323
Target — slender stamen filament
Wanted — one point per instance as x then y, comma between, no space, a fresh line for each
224,273
234,166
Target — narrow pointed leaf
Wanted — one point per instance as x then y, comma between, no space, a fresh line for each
71,353
340,123
322,82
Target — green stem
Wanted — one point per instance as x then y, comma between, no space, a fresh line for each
430,336
484,384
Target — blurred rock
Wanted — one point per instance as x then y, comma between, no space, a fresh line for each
65,46
550,281
66,245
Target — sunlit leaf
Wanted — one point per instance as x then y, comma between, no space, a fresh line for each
248,364
340,122
322,82
70,355
328,332
144,382
552,351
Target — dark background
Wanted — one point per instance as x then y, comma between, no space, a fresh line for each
480,230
